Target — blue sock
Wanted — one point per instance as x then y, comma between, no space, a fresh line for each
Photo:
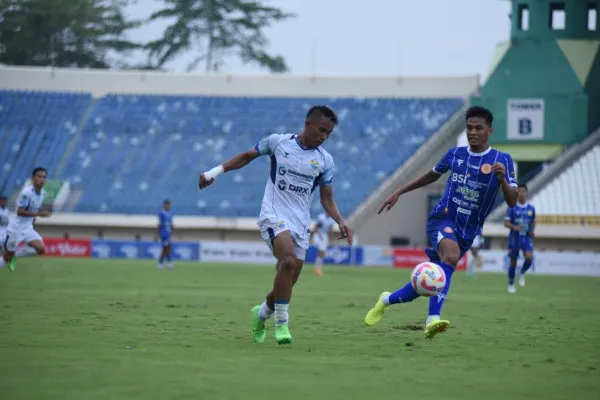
436,302
404,295
161,259
526,266
511,274
169,258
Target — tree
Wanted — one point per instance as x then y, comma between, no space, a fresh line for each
64,33
215,29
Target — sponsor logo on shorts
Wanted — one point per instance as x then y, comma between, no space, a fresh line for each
448,229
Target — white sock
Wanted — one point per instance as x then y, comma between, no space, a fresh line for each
319,262
170,265
25,251
264,313
386,300
281,314
431,318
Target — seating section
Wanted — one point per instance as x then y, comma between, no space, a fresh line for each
136,150
573,196
35,128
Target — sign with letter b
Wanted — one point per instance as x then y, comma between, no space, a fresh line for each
525,119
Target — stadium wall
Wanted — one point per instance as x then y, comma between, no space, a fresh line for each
101,82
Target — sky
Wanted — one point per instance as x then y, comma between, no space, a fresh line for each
378,37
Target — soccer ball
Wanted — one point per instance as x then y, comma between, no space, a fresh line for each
428,279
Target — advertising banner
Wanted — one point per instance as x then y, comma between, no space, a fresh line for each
338,255
59,247
236,252
130,249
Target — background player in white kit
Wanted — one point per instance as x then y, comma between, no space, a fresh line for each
298,166
20,228
320,239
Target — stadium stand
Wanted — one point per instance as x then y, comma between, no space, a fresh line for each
126,152
570,198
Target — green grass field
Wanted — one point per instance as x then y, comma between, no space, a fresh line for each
94,329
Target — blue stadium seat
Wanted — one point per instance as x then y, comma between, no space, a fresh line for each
136,150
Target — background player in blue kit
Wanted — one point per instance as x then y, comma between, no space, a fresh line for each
477,172
521,222
165,230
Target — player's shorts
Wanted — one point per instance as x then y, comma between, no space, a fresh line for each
14,238
270,228
439,228
321,243
476,242
522,243
165,240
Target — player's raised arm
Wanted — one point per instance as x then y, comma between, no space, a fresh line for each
438,170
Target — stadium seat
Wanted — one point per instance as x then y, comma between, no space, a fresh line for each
136,150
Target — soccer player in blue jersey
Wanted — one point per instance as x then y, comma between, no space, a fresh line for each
165,230
521,222
477,172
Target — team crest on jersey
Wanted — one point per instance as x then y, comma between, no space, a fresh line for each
529,212
314,164
281,225
448,229
486,168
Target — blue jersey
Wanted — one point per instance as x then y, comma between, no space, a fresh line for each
165,223
471,188
522,215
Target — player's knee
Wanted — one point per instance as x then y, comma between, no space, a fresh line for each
287,263
529,258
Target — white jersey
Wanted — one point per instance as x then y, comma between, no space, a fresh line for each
3,220
296,171
31,201
324,223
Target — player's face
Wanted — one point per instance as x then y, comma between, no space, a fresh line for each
167,206
478,131
522,194
318,130
39,179
3,203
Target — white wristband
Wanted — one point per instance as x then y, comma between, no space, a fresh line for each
213,173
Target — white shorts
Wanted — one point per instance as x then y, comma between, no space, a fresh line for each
476,242
269,229
13,239
321,243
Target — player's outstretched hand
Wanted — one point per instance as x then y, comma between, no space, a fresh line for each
389,203
345,232
499,170
44,214
202,182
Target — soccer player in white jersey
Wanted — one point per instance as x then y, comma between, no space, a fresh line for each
320,239
298,166
20,228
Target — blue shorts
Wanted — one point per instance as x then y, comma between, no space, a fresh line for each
165,240
439,228
516,245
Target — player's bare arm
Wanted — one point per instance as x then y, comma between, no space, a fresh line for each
235,162
510,193
328,203
418,183
511,226
22,212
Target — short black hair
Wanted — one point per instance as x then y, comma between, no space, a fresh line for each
323,111
524,186
166,201
481,112
38,169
